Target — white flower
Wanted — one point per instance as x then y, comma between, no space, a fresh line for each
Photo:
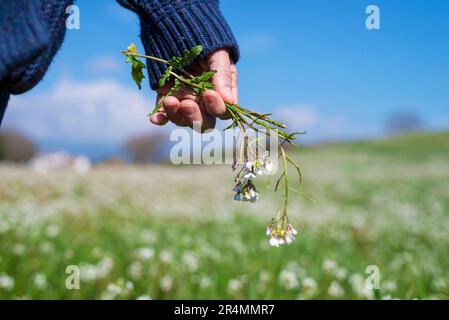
274,241
135,269
288,279
309,284
235,285
293,230
40,281
249,175
18,249
145,253
166,283
52,231
6,282
268,230
144,297
268,167
205,282
289,237
166,256
248,170
335,289
190,261
329,265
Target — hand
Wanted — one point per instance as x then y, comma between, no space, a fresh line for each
184,107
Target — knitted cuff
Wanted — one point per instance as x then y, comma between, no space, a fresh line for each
22,33
27,76
168,30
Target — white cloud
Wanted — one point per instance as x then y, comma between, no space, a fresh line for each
297,117
104,64
317,125
257,41
100,111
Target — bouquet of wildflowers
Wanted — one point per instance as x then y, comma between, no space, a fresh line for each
250,158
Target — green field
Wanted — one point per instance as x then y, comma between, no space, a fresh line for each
174,232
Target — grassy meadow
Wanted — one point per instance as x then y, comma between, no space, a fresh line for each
165,232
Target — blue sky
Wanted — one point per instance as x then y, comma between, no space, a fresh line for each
312,63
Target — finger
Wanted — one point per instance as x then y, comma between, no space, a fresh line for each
214,104
159,117
171,106
220,61
193,117
234,83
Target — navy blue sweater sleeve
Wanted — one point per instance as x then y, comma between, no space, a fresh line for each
168,27
23,36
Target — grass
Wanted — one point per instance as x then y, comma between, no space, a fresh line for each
164,232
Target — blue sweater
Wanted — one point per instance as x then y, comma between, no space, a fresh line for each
31,32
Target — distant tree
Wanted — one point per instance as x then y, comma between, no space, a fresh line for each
403,122
16,147
144,148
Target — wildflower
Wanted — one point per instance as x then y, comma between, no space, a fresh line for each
145,253
268,229
329,265
309,284
335,289
235,286
268,167
205,282
166,283
280,235
264,277
190,261
52,231
166,256
40,281
6,282
18,249
135,269
274,241
246,192
248,174
288,279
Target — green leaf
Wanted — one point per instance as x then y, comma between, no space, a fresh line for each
136,71
176,86
189,57
165,77
204,77
137,67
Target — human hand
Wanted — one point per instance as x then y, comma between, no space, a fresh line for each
185,108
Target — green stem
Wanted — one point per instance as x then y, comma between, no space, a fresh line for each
156,59
145,56
285,179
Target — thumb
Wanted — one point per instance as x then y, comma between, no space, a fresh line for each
221,62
